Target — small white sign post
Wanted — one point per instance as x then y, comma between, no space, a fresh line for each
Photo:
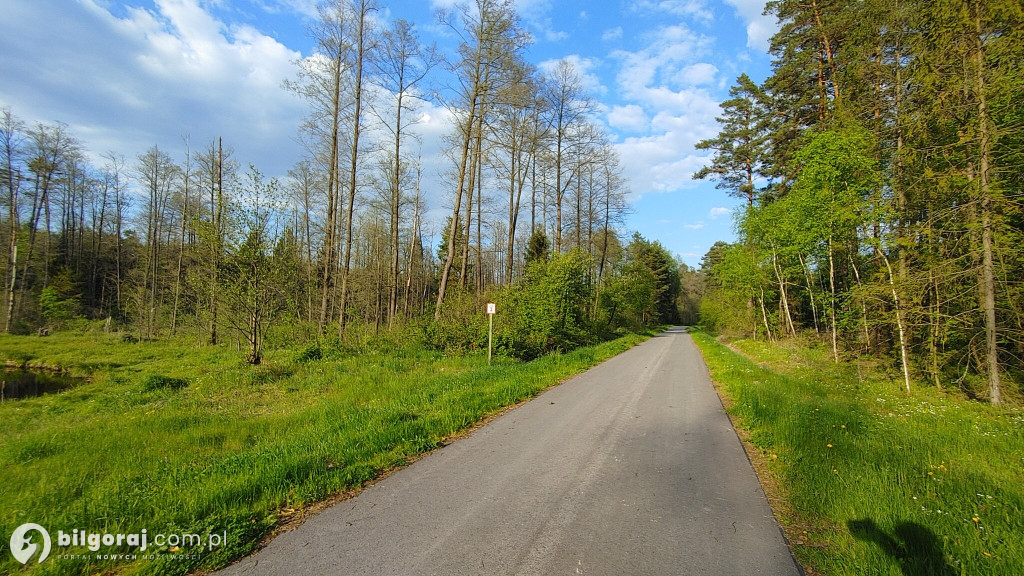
490,329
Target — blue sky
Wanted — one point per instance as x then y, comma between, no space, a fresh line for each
127,75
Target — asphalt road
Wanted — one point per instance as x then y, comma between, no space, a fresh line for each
631,468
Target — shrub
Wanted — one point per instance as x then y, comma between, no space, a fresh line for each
547,310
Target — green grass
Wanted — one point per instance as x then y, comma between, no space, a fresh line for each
875,481
181,439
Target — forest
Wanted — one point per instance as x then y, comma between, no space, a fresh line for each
200,248
882,168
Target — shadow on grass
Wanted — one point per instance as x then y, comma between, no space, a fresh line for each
913,546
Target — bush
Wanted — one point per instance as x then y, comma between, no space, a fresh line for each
310,353
462,325
547,310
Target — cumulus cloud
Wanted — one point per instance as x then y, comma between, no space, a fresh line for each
629,118
760,28
694,226
660,78
660,63
148,76
699,73
719,211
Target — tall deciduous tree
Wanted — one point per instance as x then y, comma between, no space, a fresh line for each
403,65
362,53
12,139
490,35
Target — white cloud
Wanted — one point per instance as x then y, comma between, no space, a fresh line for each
760,28
444,4
719,211
612,34
660,63
696,9
699,73
694,226
660,78
150,76
630,118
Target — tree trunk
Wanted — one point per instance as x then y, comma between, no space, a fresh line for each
412,246
453,229
12,245
810,292
331,223
832,303
782,292
395,203
988,290
899,321
361,39
764,317
181,242
218,244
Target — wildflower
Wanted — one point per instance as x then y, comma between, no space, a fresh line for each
843,426
975,519
829,445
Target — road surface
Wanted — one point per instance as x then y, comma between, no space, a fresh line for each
631,468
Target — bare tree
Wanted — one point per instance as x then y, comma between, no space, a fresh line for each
570,105
403,65
157,173
11,141
490,34
364,46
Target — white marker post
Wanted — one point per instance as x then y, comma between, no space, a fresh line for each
490,329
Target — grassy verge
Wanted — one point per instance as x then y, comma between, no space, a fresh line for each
236,450
872,480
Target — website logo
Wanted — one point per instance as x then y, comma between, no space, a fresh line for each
22,546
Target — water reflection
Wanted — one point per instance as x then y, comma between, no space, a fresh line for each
20,383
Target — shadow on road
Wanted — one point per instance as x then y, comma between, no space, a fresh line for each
915,547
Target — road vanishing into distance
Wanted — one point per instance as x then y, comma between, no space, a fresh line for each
631,468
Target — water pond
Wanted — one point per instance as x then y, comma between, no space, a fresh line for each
17,383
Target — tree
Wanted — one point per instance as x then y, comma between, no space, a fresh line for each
740,144
216,174
537,248
253,284
11,142
403,65
546,310
513,134
569,105
490,35
157,173
363,49
837,171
